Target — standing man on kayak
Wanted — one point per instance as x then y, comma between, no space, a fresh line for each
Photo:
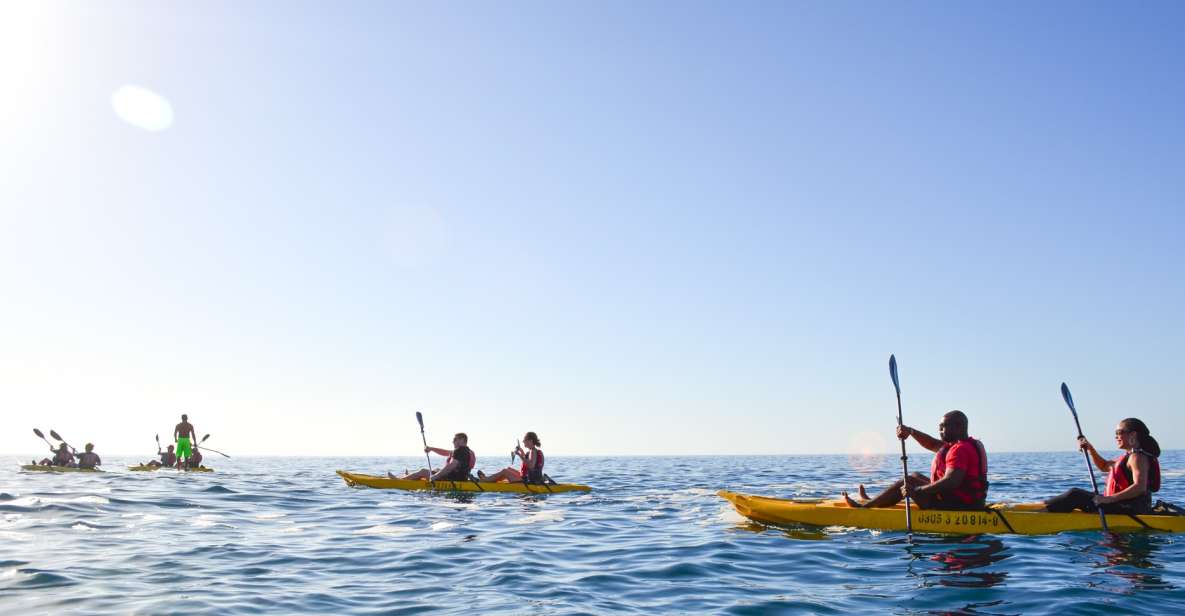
958,474
184,434
460,462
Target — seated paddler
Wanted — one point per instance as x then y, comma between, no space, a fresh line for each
1131,478
456,468
531,470
958,473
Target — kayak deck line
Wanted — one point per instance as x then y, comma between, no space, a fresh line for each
59,469
999,518
355,480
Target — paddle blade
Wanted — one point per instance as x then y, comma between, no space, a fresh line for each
204,438
55,436
420,420
1069,399
893,373
38,433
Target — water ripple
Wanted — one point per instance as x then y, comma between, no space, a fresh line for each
278,536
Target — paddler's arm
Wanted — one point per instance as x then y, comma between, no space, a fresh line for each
923,439
1139,468
438,451
952,478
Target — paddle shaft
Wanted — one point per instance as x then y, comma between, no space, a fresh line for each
1085,454
204,448
904,471
420,419
904,458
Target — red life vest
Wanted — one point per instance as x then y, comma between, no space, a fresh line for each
537,474
1120,478
974,487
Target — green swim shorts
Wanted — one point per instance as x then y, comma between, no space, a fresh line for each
183,449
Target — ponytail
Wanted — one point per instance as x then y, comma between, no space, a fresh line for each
1145,441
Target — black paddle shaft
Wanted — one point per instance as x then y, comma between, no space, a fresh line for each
1085,454
420,420
904,458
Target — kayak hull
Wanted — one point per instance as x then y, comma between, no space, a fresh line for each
386,483
143,468
57,469
1024,518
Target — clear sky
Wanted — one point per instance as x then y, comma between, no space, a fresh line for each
645,228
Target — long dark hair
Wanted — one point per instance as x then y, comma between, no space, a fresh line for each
1146,443
538,443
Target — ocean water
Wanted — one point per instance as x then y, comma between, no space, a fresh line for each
286,536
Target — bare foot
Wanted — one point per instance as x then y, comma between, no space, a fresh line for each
851,502
863,493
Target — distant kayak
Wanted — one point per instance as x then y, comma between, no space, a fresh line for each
142,468
386,483
1023,519
57,469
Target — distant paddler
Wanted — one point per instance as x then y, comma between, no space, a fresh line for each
457,468
62,457
531,470
167,458
195,460
958,474
88,459
184,435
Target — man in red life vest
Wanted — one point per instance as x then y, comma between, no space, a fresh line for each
958,474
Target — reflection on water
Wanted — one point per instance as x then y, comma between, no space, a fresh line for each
958,564
1129,557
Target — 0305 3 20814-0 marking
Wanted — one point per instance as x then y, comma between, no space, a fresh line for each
958,519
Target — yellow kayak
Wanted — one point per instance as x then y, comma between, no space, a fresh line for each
143,467
58,469
1024,518
386,483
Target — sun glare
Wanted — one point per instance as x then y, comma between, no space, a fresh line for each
142,107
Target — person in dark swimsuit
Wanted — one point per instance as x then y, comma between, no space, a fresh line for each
460,462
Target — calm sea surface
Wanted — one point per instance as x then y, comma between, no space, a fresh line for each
286,536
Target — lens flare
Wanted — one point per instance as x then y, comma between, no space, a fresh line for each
142,108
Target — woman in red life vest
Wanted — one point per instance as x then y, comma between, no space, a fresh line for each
532,469
1131,478
958,473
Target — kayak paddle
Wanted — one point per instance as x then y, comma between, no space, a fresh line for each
55,435
158,444
904,458
1089,466
38,433
208,449
517,446
420,420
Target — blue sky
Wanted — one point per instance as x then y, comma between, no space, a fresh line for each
630,228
